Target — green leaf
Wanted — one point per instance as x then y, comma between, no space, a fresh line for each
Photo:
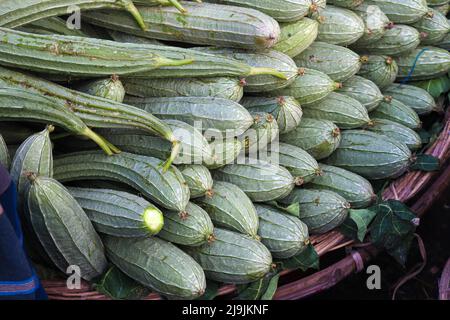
292,209
119,286
212,291
264,287
357,222
425,162
425,136
271,288
400,252
392,228
305,260
435,87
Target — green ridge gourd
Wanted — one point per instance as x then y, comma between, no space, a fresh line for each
371,155
4,153
397,40
394,110
337,62
110,88
63,228
321,210
206,24
35,155
230,208
375,21
262,181
317,137
217,114
416,98
198,179
352,187
263,131
118,213
298,162
224,152
401,11
51,25
345,3
195,228
284,235
339,26
432,62
397,132
297,36
433,27
363,90
344,111
382,70
310,86
286,110
219,87
157,264
233,258
140,172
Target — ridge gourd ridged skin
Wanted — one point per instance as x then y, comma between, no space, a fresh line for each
317,137
219,87
157,264
76,56
110,88
37,108
17,13
93,111
5,158
310,86
224,152
230,208
375,21
193,229
397,40
363,90
286,110
217,114
51,25
382,70
416,98
206,24
436,2
371,155
402,11
297,36
396,131
118,213
263,132
34,155
260,59
350,4
339,63
284,235
259,179
233,258
198,179
321,210
394,110
63,228
140,172
344,111
352,187
433,62
442,8
281,10
339,26
298,162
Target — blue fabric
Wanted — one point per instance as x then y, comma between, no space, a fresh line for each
18,280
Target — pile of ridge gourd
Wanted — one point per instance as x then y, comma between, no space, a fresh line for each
165,200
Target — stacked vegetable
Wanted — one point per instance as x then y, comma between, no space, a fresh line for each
215,120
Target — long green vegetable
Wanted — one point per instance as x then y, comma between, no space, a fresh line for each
15,13
96,112
18,104
76,56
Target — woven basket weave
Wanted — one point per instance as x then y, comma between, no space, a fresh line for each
407,187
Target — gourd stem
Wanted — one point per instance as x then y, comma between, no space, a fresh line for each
98,140
176,146
178,5
269,71
131,8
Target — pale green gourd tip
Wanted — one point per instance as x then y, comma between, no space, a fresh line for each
153,220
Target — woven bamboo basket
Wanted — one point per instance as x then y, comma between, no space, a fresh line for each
422,187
